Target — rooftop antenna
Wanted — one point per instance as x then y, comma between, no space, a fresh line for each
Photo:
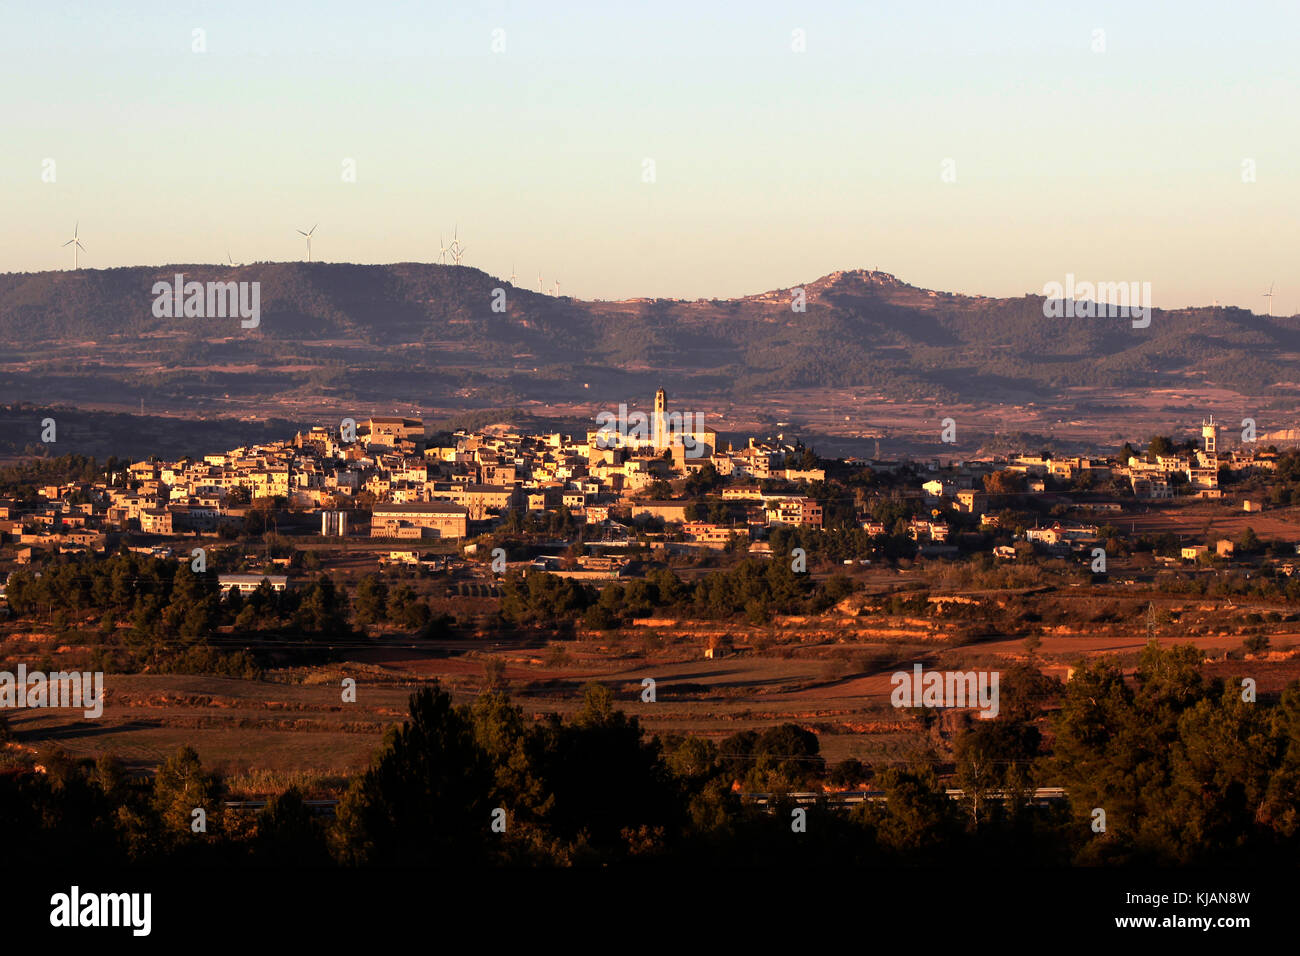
1269,295
308,235
76,245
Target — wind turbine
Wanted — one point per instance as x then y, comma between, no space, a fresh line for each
308,235
76,245
457,249
442,250
557,288
232,262
1269,295
512,273
539,282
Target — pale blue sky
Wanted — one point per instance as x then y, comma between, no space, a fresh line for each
772,167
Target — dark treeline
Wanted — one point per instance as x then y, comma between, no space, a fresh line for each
382,602
1285,490
164,615
1184,770
21,480
754,588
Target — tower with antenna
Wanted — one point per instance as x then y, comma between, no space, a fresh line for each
1210,433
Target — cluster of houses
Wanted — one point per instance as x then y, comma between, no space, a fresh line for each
1198,469
411,485
1150,477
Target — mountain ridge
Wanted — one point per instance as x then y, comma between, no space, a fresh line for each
427,335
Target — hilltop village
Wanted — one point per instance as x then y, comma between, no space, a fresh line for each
667,479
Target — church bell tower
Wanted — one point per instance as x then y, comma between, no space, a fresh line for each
660,435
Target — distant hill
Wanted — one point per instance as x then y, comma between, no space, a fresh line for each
420,334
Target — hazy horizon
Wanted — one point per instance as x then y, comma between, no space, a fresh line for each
523,285
771,166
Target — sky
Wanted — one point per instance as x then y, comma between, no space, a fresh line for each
675,149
